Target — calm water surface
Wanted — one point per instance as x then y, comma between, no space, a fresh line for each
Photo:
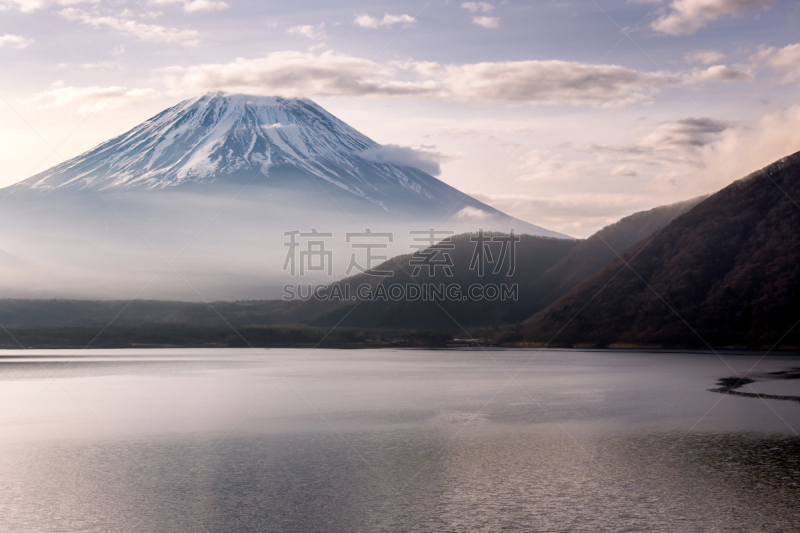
394,440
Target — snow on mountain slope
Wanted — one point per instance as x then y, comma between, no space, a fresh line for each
214,135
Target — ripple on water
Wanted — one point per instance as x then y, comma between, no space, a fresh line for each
409,480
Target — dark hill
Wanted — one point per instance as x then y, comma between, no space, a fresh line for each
725,273
534,255
594,253
546,270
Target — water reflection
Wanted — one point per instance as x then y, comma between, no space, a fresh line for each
401,441
407,481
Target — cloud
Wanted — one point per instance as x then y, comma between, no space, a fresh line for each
424,159
624,171
785,60
553,82
537,82
685,133
487,22
477,6
288,74
473,213
84,100
688,16
719,73
704,56
29,6
366,21
677,145
316,33
15,41
741,150
145,32
482,7
190,6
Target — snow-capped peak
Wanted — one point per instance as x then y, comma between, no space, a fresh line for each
214,135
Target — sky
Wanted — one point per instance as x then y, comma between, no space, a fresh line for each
566,114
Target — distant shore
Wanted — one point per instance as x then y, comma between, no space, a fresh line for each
166,335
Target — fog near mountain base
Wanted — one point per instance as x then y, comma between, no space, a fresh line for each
189,245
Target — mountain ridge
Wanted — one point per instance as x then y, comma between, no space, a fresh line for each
725,273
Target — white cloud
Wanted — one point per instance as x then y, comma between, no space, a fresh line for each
84,100
29,6
688,16
785,60
705,57
423,159
553,82
126,26
190,6
719,73
482,7
537,82
15,41
316,33
741,150
366,21
487,22
389,20
473,213
478,6
285,73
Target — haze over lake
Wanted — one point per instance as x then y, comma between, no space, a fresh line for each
389,440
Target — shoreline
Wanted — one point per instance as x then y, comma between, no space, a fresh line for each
730,385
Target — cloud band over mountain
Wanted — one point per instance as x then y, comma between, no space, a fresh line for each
538,82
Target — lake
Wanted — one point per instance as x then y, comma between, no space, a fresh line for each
395,440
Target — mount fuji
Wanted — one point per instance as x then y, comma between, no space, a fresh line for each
194,203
